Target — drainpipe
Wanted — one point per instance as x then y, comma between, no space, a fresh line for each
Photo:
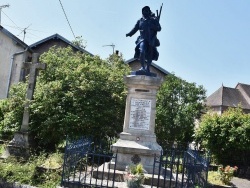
10,71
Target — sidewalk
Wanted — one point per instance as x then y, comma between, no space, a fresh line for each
241,183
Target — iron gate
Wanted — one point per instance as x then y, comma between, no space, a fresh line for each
84,165
180,169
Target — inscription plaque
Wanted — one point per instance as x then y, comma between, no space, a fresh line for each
140,110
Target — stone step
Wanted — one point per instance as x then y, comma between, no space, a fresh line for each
103,172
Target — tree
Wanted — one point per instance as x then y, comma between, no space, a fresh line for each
11,111
77,95
79,42
227,136
179,103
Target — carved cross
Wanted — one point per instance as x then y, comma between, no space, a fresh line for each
34,66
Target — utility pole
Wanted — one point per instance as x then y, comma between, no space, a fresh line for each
2,6
112,45
24,32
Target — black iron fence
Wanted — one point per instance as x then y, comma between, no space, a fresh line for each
178,168
86,166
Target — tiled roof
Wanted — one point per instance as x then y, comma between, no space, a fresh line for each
215,99
57,36
245,87
229,97
152,64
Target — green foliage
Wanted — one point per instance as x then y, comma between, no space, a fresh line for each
27,172
80,42
227,136
13,171
135,176
179,103
2,149
11,111
80,95
214,178
136,169
227,173
77,95
177,165
221,177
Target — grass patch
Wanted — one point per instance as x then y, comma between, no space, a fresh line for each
54,161
29,172
214,178
1,149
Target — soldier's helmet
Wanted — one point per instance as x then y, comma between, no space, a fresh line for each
146,10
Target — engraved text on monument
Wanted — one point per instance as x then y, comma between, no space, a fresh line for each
140,110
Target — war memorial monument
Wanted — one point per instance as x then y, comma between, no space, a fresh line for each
137,143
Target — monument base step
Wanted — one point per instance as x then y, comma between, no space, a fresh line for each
136,147
134,152
104,172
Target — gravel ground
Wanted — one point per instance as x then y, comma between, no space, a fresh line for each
238,182
241,183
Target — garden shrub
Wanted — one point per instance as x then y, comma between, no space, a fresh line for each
227,136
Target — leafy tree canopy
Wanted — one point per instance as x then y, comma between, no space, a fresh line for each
78,94
80,42
227,136
11,111
179,103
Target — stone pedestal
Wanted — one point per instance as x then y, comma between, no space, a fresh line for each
137,143
18,146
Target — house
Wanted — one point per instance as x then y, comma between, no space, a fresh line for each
226,97
57,41
13,52
136,65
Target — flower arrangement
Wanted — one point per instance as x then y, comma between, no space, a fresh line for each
134,175
227,173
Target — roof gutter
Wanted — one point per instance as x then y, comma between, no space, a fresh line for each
10,70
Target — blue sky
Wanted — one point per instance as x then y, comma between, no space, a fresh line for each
202,41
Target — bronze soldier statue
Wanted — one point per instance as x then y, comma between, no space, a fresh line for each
147,42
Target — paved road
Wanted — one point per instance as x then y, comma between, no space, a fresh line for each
241,183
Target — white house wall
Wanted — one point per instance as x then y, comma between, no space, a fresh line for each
7,48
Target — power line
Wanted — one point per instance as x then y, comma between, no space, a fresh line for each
14,27
25,31
67,19
1,7
21,29
12,21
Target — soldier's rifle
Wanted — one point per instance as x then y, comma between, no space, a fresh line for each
158,14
